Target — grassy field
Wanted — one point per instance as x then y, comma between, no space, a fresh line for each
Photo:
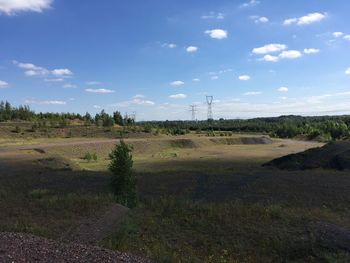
202,199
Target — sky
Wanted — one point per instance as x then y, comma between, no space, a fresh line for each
257,58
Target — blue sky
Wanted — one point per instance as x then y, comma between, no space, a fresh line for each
157,57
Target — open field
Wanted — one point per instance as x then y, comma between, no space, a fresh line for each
202,199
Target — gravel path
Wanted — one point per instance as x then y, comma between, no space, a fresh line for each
25,248
97,228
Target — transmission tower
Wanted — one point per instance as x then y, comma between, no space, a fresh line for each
193,110
210,110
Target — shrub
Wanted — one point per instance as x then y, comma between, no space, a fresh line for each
123,182
88,156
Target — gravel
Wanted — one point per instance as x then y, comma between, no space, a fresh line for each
26,248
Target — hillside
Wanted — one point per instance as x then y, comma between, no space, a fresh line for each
335,155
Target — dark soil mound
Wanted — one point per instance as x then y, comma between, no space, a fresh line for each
331,156
28,248
183,143
242,140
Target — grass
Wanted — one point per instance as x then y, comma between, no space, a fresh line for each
199,201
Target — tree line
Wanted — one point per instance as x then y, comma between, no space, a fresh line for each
325,128
24,113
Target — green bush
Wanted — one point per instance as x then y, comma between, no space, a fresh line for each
123,181
88,156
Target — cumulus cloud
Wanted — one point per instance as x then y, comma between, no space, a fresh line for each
100,91
45,102
169,45
196,80
133,102
259,19
54,80
97,107
311,50
290,54
305,20
177,83
244,77
214,77
269,48
283,89
178,96
250,3
217,33
192,49
337,34
10,7
61,72
93,83
252,93
213,15
347,37
347,72
69,86
270,58
3,84
31,69
139,96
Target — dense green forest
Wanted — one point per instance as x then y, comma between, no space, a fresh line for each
24,113
321,128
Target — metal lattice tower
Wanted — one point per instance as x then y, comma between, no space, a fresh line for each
193,109
210,109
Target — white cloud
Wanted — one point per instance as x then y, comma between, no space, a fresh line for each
244,77
270,58
31,69
305,20
252,93
259,19
101,91
45,102
177,83
311,50
135,101
196,80
338,34
54,80
62,72
178,96
93,83
347,72
142,102
3,84
97,107
139,96
11,7
290,54
250,3
69,86
214,77
283,89
217,33
192,49
213,15
169,45
347,37
269,48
